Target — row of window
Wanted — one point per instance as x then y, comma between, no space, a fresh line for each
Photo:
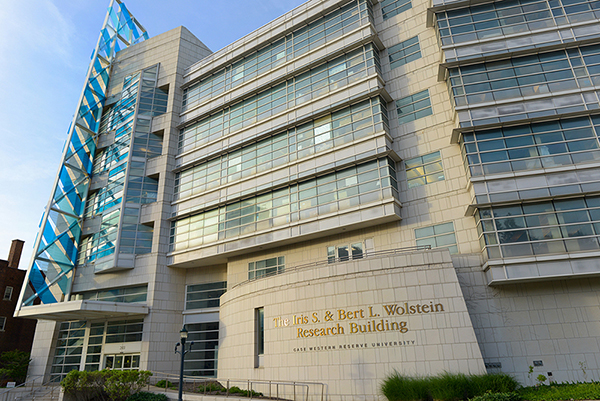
343,189
570,182
302,40
541,228
205,295
201,360
114,162
530,109
309,37
346,125
509,17
532,146
111,161
295,91
71,339
526,76
126,294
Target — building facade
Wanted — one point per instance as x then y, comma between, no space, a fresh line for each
356,187
15,333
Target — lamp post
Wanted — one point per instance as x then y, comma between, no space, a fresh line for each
184,334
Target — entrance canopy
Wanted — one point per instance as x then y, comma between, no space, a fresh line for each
82,310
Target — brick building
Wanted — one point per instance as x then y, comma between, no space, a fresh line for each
15,333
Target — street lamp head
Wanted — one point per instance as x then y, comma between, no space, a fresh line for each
183,332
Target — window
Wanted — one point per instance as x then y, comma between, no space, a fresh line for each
558,226
127,295
345,252
296,91
413,107
259,321
424,170
94,349
267,267
329,193
2,323
438,236
390,8
202,359
532,75
298,42
532,146
124,331
342,126
8,291
200,296
69,349
404,52
489,20
122,362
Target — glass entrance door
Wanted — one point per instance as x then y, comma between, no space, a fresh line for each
122,361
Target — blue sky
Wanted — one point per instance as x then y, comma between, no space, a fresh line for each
45,48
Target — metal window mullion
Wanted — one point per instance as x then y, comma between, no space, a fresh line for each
127,170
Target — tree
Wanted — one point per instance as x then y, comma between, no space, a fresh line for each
14,365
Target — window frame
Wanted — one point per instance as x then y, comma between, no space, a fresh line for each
8,292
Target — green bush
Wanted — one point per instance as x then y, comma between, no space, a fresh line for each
404,388
451,387
494,382
164,383
14,365
117,385
489,396
85,386
121,384
244,393
447,386
146,396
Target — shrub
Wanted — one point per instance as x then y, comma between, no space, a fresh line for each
451,387
244,393
447,386
84,386
489,396
164,383
494,382
146,396
403,388
118,385
121,384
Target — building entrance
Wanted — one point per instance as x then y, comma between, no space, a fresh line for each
122,361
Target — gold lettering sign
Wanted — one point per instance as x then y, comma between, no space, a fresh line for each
379,318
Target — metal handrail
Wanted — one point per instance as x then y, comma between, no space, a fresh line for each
328,261
17,392
250,385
